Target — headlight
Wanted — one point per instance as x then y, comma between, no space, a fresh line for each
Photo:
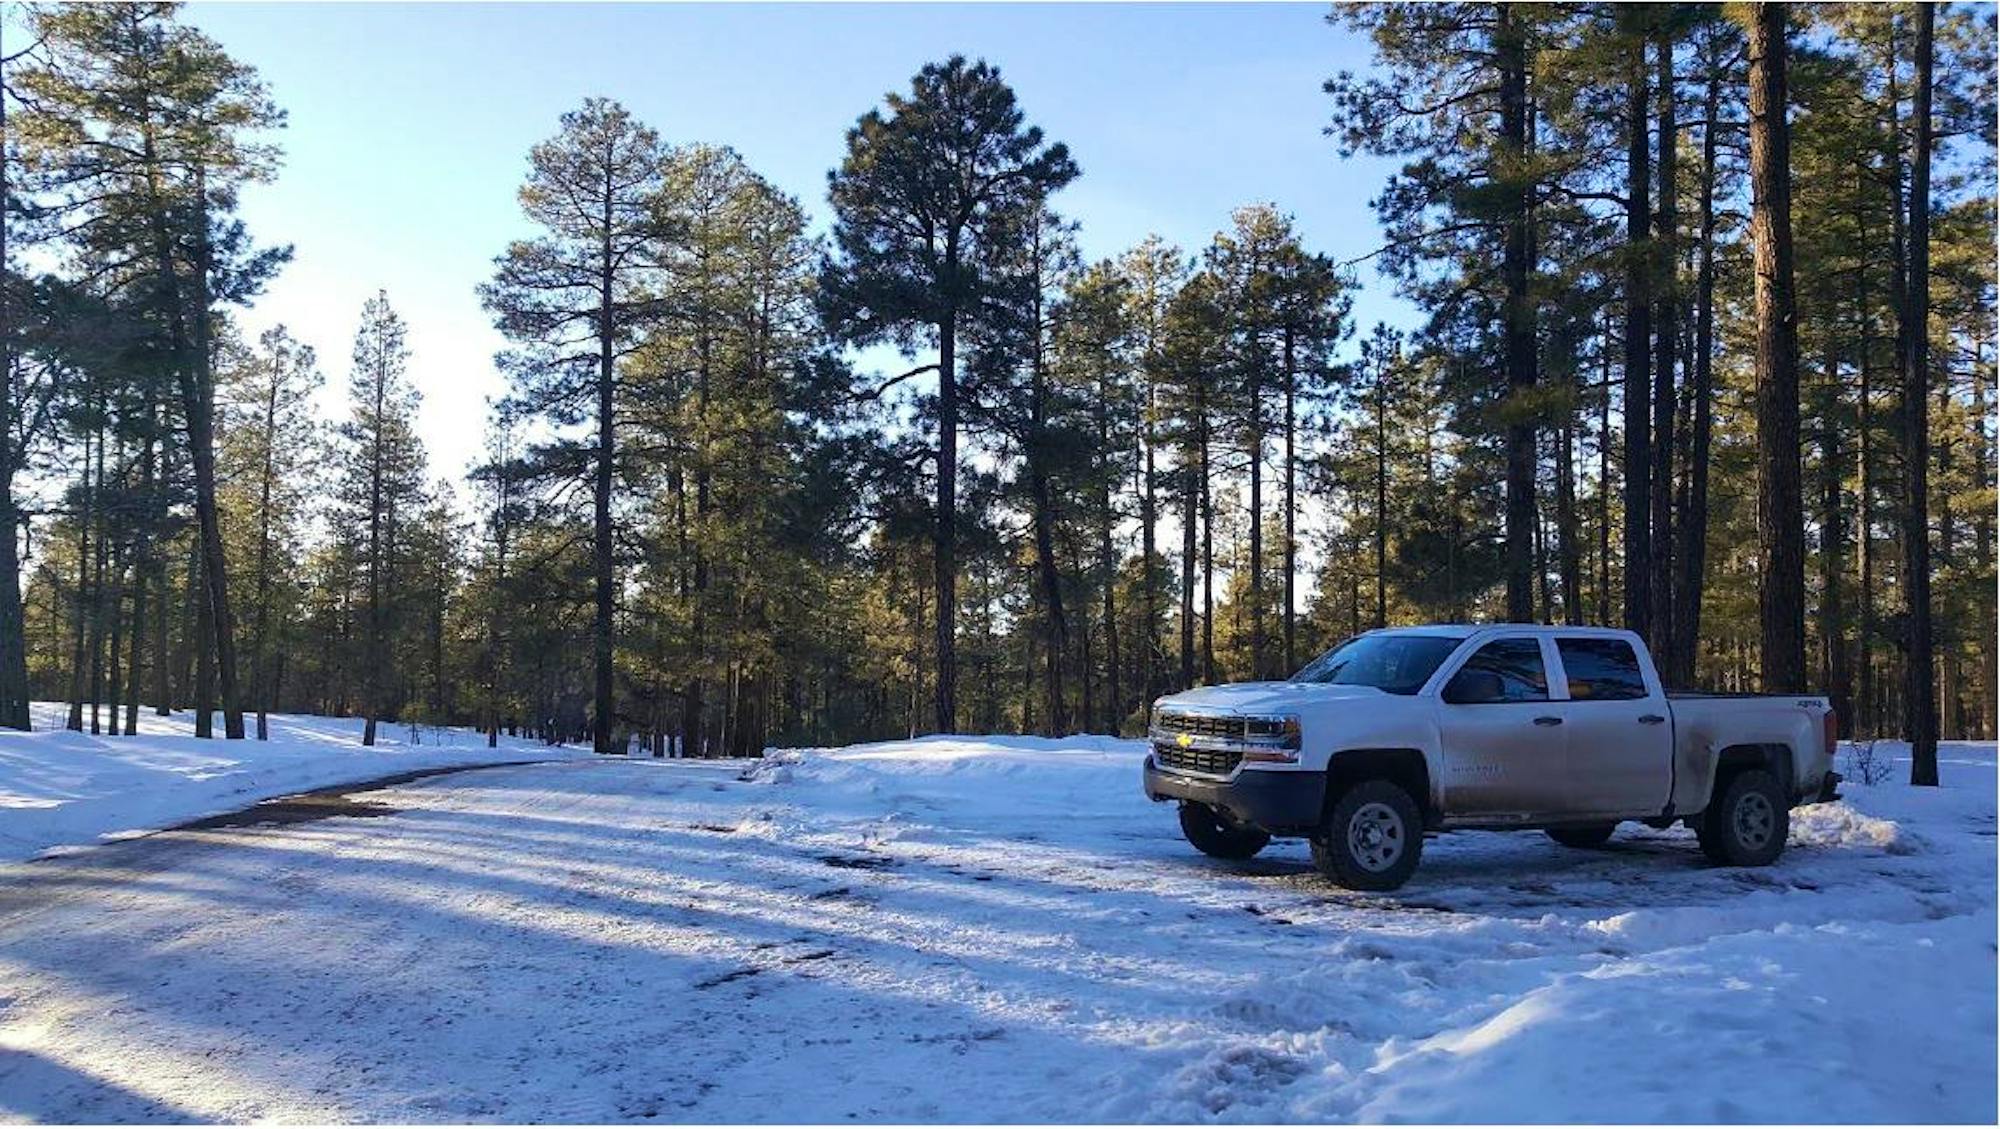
1275,733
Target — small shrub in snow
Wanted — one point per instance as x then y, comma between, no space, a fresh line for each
1868,764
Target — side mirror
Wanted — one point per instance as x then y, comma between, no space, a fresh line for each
1473,686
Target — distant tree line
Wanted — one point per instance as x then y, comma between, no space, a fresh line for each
1706,352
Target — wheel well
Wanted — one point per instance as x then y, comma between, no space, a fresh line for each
1777,759
1404,767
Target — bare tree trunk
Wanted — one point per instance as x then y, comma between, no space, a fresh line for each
1780,510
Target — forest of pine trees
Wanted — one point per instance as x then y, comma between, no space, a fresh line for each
1705,350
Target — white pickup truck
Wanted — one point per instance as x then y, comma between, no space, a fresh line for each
1401,732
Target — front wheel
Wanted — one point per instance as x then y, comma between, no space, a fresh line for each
1372,839
1216,837
1748,823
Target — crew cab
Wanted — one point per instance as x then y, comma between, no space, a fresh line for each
1402,732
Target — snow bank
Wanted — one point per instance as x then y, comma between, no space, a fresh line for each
972,929
60,788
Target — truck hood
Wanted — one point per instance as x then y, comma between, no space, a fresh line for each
1254,697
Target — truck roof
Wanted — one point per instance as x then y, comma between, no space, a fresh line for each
1461,630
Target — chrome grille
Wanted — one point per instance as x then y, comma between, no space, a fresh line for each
1220,726
1215,762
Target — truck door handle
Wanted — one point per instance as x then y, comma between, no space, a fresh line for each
1548,721
1650,719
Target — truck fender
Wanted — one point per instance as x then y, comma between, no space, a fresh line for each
1406,767
1727,762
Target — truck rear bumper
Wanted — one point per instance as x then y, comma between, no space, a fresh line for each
1283,803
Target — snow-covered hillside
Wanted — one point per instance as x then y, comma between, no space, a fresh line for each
988,930
61,788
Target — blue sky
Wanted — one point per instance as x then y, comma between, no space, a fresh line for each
410,125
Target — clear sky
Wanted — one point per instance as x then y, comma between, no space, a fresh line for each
410,125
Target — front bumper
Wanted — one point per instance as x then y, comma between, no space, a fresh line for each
1281,802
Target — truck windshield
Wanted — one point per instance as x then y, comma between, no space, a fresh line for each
1396,664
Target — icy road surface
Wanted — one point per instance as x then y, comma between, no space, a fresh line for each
986,930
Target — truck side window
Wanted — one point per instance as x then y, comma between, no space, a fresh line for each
1601,670
1505,670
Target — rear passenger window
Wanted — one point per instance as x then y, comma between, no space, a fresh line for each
1601,670
1505,670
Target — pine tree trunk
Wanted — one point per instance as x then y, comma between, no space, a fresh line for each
1520,323
1780,510
1569,556
13,618
1190,518
1207,544
1867,701
198,389
1255,451
1638,346
946,554
1149,513
203,651
1604,475
604,602
78,624
1919,671
1382,494
1666,330
1834,664
1693,529
1291,501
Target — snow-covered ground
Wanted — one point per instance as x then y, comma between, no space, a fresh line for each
60,788
988,930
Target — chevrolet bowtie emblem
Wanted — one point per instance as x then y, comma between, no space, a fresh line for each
1184,740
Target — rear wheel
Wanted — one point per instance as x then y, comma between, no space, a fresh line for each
1216,837
1748,822
1583,838
1372,839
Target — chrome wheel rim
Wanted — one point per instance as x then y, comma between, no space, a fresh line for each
1756,820
1375,837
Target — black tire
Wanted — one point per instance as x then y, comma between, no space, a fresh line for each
1216,837
1748,822
1583,838
1372,839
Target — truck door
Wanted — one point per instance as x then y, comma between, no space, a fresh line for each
1502,737
1621,736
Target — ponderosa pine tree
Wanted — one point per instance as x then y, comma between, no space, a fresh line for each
271,448
922,183
1780,508
573,300
382,479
